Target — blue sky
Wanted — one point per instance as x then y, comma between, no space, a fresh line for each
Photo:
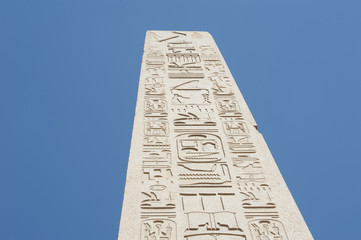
69,74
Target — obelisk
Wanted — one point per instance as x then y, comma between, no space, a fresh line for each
198,167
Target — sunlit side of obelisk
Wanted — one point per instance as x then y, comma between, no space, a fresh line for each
198,167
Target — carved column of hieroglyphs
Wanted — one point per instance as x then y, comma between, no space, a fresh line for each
198,168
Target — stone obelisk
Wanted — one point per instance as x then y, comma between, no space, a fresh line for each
198,168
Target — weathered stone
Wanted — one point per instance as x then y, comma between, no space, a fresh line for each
198,168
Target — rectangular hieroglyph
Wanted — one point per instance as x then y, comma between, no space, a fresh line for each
198,168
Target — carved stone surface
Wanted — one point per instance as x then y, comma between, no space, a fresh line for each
198,168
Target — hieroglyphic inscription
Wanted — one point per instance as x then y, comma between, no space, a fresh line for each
212,215
268,230
255,192
157,200
158,229
203,170
202,175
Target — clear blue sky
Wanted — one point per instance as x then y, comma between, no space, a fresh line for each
69,74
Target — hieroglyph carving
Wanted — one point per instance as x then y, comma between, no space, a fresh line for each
199,169
158,229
